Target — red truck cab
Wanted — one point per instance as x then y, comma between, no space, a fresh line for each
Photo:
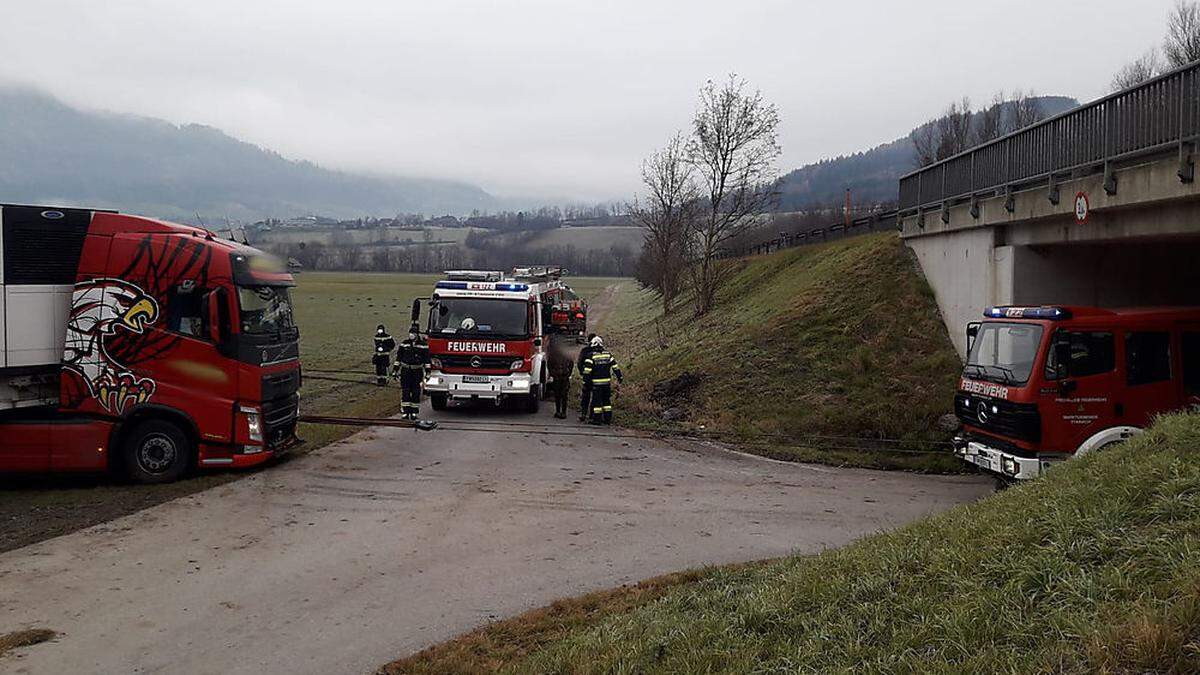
164,347
1042,384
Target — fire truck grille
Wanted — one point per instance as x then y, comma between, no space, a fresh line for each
1018,421
485,362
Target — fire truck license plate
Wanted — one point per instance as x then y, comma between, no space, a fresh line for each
476,379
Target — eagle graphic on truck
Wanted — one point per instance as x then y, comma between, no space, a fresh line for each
99,308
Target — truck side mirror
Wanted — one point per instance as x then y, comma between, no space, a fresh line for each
416,312
972,332
215,314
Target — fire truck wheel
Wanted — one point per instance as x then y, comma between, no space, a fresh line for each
438,401
156,452
532,402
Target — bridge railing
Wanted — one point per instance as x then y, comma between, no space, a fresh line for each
1147,119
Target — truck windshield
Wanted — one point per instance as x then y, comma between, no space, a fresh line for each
265,309
1004,352
480,317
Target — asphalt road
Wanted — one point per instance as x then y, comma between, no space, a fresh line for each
375,547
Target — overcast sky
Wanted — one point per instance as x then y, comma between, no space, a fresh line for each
554,98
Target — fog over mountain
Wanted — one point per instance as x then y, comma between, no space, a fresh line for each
55,154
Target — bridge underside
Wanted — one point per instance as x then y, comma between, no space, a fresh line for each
1140,246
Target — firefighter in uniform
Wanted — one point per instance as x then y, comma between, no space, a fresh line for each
585,396
384,344
411,359
598,370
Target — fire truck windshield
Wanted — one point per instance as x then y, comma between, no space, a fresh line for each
1004,352
484,317
265,309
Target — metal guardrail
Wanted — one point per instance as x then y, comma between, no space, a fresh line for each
876,222
1150,118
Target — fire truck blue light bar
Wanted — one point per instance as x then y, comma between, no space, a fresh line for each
1052,313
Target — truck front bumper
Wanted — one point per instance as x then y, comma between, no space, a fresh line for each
479,386
997,461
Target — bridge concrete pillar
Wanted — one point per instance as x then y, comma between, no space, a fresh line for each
967,271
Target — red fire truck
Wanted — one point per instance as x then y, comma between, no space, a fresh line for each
141,346
489,334
1042,384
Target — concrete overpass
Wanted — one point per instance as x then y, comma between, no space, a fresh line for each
1097,206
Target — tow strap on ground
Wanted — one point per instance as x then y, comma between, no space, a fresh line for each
419,425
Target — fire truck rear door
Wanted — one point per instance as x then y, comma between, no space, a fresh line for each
1150,384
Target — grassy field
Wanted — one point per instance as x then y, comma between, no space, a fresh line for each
1094,568
337,314
842,339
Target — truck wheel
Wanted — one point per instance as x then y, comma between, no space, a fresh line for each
156,452
438,401
533,402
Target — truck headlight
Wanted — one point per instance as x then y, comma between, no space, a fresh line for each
253,423
517,365
519,384
433,381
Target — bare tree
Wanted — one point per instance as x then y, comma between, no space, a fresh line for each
925,143
1026,110
946,136
955,129
667,213
1137,71
988,124
1182,44
733,148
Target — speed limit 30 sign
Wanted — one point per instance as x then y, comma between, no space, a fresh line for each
1082,207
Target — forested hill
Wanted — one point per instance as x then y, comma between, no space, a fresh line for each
873,175
52,153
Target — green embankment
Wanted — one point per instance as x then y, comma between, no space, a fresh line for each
840,339
1094,568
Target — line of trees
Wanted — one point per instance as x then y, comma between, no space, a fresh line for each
1181,46
703,190
960,128
498,252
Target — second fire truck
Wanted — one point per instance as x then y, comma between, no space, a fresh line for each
489,334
